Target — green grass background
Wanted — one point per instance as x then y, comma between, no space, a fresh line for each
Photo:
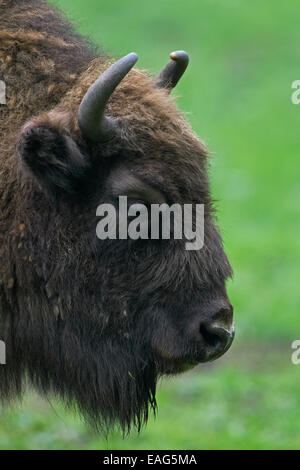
237,94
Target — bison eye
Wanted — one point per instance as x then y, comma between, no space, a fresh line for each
131,200
125,182
136,199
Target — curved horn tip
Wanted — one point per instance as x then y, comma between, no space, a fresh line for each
170,75
180,56
133,56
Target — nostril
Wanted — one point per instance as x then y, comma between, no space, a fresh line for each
216,337
210,335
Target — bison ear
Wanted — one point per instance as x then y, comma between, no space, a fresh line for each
53,158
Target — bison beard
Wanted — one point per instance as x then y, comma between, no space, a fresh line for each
97,323
107,381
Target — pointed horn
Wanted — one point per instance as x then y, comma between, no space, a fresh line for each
93,124
173,71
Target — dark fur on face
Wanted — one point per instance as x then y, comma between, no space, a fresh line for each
94,322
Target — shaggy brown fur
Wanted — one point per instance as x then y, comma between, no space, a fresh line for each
94,322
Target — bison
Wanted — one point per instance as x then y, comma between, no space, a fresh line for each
97,322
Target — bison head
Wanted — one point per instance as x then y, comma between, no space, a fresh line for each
99,321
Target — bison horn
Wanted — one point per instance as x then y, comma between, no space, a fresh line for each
93,124
173,71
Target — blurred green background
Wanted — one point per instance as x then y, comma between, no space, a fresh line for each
237,94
